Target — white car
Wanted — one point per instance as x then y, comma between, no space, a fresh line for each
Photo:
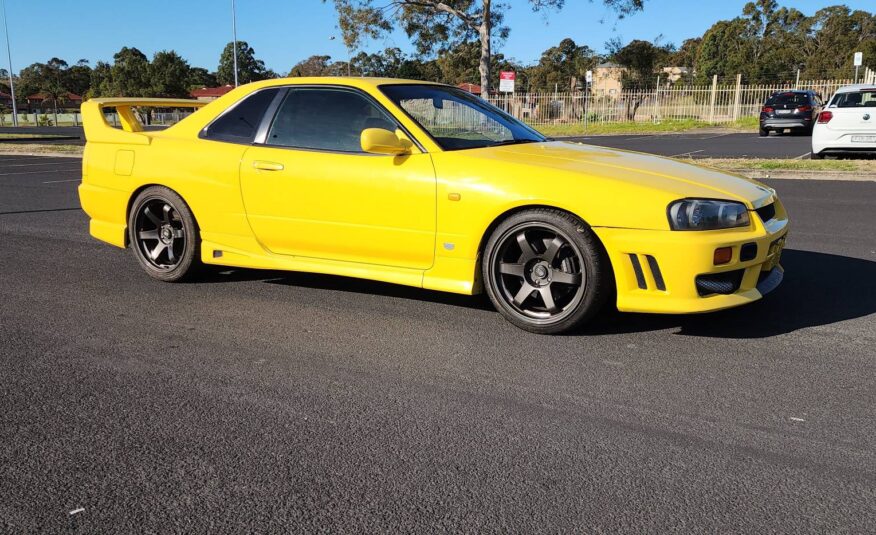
847,123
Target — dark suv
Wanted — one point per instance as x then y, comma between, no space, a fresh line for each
795,110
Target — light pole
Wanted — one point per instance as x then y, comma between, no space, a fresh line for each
9,57
234,38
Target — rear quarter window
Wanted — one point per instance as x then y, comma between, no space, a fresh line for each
239,123
855,99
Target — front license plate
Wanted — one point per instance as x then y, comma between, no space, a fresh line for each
863,139
774,254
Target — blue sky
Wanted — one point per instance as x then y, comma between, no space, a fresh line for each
284,32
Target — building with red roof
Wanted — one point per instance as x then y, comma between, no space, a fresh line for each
211,93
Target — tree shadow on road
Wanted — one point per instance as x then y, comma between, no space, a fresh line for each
819,289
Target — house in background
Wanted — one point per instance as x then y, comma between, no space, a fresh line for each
471,88
42,101
211,93
674,74
607,79
5,100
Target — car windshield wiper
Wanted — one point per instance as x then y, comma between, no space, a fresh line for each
513,142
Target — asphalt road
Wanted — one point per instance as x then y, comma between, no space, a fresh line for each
276,402
709,145
694,144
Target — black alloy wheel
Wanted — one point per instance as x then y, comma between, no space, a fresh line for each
163,234
544,271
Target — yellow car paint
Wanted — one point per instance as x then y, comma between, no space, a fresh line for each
419,218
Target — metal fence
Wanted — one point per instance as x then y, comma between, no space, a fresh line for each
715,103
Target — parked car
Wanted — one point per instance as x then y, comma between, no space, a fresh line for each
794,110
848,123
425,185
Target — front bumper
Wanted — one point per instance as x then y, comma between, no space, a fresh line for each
657,270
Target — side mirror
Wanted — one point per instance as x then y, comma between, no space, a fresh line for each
380,141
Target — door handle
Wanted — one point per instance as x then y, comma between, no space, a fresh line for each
267,166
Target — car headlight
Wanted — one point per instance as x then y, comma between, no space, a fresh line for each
705,214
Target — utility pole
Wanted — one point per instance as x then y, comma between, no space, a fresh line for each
9,57
234,39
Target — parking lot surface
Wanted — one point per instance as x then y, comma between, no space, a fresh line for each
691,144
256,401
709,145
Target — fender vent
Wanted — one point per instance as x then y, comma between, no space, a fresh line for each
639,270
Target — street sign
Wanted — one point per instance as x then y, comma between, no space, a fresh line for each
506,81
589,77
859,59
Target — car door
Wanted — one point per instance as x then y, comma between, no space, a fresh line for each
309,190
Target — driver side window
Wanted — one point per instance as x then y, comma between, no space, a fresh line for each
325,119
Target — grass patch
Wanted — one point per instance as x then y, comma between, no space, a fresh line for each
748,124
37,148
861,166
21,136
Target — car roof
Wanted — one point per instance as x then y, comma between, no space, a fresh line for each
351,81
855,87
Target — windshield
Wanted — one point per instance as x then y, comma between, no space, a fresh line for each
457,119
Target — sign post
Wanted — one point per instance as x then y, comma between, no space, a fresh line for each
588,80
859,60
506,81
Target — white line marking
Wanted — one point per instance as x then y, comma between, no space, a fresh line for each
59,181
719,135
77,511
687,153
793,419
38,172
802,156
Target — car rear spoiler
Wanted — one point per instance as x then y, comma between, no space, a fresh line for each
98,130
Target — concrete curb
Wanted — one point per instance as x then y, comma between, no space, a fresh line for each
783,174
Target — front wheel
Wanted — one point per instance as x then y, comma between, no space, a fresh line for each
545,271
163,235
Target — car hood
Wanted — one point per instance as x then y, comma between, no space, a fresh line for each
645,170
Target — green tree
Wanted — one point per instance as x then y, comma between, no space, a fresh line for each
249,69
101,80
169,75
200,77
559,64
78,77
837,33
439,25
313,66
130,74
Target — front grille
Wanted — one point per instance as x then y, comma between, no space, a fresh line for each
767,212
719,283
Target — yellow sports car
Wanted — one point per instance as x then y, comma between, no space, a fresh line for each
426,185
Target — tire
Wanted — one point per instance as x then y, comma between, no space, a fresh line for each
545,271
163,235
816,156
764,132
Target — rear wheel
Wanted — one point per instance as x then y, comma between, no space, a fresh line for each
764,132
545,271
816,156
163,235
